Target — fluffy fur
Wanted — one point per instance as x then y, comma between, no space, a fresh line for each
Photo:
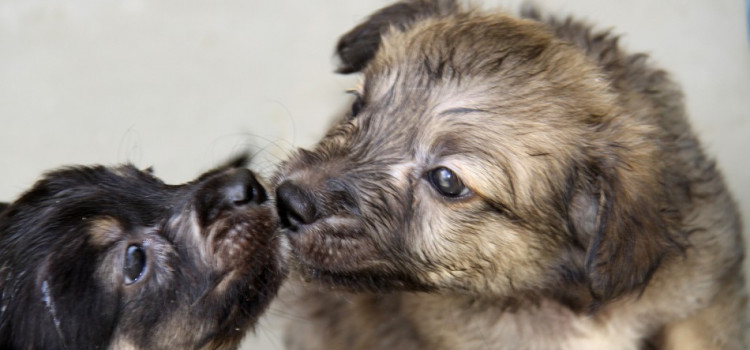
590,217
210,260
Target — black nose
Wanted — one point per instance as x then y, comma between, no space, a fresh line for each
295,205
242,188
234,189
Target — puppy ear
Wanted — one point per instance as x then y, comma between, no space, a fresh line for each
357,47
3,206
240,160
624,213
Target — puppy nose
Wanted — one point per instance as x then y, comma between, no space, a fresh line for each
241,188
295,205
231,190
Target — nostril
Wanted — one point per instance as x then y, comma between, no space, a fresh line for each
238,195
235,189
242,188
295,205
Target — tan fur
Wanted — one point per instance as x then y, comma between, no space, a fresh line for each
593,220
104,231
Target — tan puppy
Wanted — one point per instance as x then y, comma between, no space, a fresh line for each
509,183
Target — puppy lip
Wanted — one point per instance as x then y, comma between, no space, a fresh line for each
338,226
336,244
372,278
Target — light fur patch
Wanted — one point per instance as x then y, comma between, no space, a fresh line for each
120,343
104,231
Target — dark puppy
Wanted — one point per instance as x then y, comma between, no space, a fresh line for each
509,183
113,258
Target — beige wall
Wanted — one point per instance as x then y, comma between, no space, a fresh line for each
180,84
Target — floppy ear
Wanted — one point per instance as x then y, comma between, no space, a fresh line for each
357,47
623,211
3,206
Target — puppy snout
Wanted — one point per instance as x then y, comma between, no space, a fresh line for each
295,205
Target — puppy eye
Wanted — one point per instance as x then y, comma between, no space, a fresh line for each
135,264
447,182
358,104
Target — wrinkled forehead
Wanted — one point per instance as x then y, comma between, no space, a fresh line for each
475,116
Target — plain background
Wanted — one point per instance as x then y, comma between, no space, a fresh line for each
182,84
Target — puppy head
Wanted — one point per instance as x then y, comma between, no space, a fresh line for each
482,155
98,257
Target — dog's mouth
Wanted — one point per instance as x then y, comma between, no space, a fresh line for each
338,251
333,243
247,259
337,243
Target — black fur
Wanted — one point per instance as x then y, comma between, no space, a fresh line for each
62,246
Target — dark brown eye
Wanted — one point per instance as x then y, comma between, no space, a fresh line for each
134,265
447,183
